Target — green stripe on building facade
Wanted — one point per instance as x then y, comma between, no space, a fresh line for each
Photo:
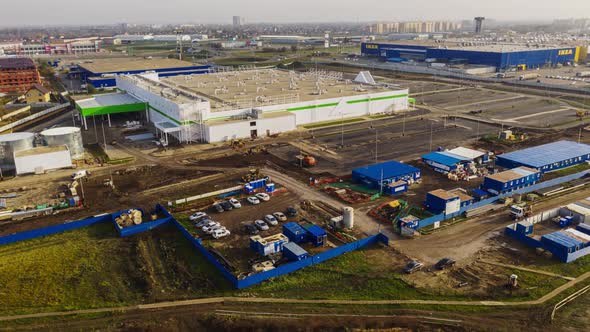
103,110
376,99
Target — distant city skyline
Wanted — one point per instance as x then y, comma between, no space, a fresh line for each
67,12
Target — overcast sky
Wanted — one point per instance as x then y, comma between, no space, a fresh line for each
56,12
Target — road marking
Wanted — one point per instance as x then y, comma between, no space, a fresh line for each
538,114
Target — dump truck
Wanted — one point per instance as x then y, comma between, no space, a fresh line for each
520,211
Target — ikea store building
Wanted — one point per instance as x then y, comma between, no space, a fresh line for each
502,57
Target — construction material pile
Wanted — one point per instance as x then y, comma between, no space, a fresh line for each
129,218
347,195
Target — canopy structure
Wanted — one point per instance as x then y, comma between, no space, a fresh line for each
108,104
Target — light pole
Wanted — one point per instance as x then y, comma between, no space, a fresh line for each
376,137
341,129
430,148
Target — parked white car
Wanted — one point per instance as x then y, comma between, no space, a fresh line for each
197,216
261,225
235,203
253,200
211,226
219,233
271,220
280,216
263,197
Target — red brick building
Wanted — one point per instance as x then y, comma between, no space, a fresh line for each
18,74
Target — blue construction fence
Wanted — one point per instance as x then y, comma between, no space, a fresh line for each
542,185
283,269
168,218
145,226
35,233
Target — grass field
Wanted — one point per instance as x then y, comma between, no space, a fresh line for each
93,267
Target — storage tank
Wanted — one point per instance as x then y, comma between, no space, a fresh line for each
70,136
11,143
348,217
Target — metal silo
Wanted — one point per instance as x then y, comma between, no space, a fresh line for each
11,143
70,136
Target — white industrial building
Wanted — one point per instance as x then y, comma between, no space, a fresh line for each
254,103
42,159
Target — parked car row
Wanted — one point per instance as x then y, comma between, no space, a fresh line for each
415,265
235,204
208,226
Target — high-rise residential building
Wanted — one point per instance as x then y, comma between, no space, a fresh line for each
238,21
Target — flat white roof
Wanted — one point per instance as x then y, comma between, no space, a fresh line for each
111,99
578,209
466,152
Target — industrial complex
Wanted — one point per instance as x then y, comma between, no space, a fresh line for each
222,106
282,171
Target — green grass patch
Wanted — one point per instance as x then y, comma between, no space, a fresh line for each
333,123
93,268
571,170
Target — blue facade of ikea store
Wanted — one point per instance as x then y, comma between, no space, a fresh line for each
532,58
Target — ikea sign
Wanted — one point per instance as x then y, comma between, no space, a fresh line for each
372,46
565,52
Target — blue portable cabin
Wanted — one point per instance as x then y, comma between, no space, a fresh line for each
560,244
395,188
547,157
316,235
294,252
294,232
524,227
584,228
389,171
511,180
480,194
438,200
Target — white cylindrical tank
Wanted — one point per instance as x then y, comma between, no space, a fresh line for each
348,217
70,136
11,143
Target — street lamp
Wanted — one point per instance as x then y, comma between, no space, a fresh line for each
376,137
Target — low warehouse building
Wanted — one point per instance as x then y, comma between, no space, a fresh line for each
447,201
547,157
101,73
510,180
377,176
42,159
450,160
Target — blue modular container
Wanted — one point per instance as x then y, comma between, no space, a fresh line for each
248,189
294,232
270,188
524,228
316,235
396,188
584,228
293,252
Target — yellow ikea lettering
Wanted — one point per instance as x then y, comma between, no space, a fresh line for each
372,46
565,52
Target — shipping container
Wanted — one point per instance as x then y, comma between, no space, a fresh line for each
294,232
584,228
316,235
293,252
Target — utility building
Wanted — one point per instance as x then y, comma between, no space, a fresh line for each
381,175
510,180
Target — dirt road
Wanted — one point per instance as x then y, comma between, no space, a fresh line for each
463,240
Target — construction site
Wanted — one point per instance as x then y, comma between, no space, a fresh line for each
377,194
